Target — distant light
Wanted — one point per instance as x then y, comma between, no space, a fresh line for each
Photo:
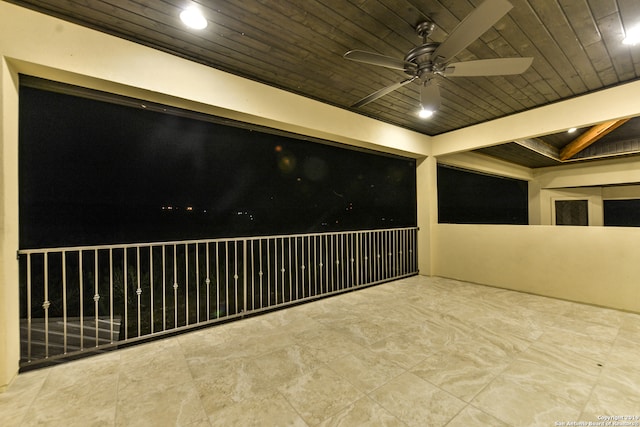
632,37
572,130
193,18
425,114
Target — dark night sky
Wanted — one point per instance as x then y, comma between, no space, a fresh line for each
93,172
466,197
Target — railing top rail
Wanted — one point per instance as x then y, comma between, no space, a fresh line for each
199,241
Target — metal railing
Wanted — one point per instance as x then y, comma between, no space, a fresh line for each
75,299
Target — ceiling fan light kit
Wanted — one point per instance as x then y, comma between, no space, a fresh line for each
426,62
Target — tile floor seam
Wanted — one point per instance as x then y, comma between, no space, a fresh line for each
599,376
368,305
293,408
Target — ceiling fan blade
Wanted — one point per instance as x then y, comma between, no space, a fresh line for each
488,67
470,28
380,60
382,92
430,96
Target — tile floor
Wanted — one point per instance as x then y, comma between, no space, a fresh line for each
415,352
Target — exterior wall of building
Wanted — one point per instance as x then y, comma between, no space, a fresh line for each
593,265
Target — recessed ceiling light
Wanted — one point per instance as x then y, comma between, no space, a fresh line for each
633,36
572,130
193,18
425,114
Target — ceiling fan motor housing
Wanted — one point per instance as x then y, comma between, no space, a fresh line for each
421,56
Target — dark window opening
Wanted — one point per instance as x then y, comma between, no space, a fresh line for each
466,197
622,213
572,212
96,172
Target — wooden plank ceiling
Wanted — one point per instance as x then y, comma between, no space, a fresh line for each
298,46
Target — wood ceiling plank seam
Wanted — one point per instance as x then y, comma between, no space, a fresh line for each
318,63
443,18
470,104
333,23
476,96
408,13
525,87
301,32
582,28
582,21
630,13
243,32
547,20
485,88
399,33
612,34
277,67
358,76
341,61
600,59
521,95
169,43
602,8
501,108
541,65
63,14
385,103
134,35
525,47
566,40
361,26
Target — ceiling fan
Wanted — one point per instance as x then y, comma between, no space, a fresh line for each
423,63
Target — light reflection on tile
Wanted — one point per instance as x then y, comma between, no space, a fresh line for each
417,351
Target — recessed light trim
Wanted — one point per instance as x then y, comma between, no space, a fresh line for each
425,114
193,18
632,37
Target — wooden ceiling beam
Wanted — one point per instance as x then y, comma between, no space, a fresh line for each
589,137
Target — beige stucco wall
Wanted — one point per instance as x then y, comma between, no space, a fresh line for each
516,257
35,44
594,265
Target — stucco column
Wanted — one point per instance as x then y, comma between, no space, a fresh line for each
9,272
427,205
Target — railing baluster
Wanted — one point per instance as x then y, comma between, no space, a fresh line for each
81,298
138,290
260,273
186,283
226,271
96,295
269,273
125,292
244,276
235,276
217,281
164,287
175,286
111,295
46,304
298,268
197,258
64,302
208,281
291,268
151,286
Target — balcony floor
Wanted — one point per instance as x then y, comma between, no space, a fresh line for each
417,352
